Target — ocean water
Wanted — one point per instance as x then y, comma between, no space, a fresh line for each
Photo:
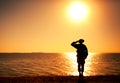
44,64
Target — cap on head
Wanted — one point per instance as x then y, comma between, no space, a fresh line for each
81,40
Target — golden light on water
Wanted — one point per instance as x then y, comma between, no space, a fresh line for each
71,56
72,59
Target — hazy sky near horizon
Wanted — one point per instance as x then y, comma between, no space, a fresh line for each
43,26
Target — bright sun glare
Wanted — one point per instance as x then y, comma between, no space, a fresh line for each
77,11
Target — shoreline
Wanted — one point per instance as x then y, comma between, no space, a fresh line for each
62,79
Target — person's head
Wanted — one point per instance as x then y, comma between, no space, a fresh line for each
81,41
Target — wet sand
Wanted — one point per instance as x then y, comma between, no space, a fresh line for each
61,79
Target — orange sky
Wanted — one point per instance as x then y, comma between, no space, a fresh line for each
43,26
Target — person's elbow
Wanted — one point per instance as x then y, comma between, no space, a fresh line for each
72,43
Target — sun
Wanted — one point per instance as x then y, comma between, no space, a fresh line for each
77,11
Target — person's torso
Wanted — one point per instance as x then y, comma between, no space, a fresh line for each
81,51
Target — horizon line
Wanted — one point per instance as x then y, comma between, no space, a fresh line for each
57,52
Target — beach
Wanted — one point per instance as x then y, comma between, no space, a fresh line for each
61,79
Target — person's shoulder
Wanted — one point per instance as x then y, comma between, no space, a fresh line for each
84,45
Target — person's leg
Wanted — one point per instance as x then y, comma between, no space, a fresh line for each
78,61
83,66
80,69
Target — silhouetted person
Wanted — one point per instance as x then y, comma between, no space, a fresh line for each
82,53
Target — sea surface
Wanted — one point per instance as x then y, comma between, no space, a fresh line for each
63,64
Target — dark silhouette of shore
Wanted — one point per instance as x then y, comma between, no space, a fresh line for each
61,79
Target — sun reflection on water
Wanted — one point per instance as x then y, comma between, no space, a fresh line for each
72,60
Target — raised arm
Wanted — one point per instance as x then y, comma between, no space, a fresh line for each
74,44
